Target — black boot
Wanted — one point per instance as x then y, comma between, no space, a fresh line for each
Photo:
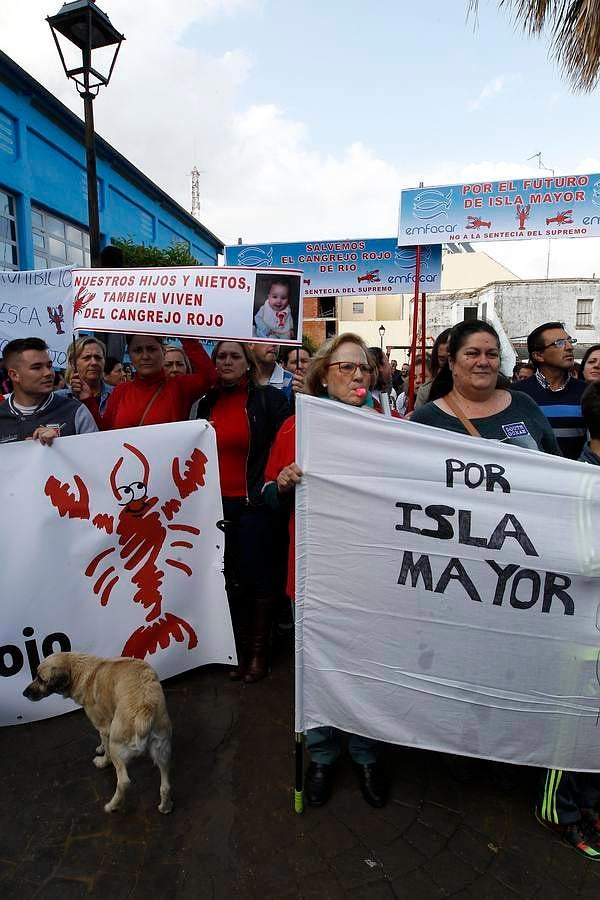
257,667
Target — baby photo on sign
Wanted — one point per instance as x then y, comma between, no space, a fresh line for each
276,302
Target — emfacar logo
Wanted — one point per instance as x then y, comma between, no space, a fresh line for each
596,193
406,257
431,203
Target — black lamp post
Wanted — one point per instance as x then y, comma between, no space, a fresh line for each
381,334
89,29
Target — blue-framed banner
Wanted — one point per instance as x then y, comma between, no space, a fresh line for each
559,206
350,266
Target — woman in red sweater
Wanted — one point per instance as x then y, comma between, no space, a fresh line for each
246,417
152,398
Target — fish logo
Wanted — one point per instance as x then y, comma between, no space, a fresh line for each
431,203
406,257
256,257
596,193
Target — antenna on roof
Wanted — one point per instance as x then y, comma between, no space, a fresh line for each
195,173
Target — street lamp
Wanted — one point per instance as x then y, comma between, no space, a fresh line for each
381,334
89,29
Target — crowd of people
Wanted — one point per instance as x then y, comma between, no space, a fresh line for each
247,391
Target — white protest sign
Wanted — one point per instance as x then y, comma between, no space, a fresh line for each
38,303
448,591
110,545
213,303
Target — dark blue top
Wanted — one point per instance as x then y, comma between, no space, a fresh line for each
563,411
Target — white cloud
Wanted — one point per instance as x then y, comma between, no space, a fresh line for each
490,89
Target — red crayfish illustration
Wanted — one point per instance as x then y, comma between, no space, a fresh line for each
476,222
142,535
306,281
373,275
562,218
82,298
522,215
56,317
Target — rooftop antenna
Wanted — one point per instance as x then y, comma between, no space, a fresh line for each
195,173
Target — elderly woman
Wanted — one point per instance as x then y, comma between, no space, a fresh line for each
152,398
176,361
341,371
465,396
589,369
246,417
90,354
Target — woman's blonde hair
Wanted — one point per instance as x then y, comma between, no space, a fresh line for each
80,345
317,368
168,348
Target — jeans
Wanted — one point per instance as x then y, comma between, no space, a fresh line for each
325,745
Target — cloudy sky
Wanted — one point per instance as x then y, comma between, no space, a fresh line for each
306,119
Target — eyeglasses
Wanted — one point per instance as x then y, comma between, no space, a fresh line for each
349,368
561,343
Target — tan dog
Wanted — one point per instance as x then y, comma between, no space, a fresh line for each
124,700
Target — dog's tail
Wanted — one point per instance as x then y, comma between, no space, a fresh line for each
144,719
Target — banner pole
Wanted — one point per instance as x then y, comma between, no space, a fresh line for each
423,337
299,774
413,343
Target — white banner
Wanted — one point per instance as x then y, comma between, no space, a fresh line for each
110,545
213,303
448,591
38,303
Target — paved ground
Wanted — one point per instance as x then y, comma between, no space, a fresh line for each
233,834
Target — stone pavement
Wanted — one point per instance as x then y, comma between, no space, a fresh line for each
453,828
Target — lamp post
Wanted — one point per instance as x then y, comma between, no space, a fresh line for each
85,25
381,334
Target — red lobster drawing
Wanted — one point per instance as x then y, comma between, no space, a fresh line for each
562,218
142,536
306,281
522,215
56,317
82,298
476,222
373,275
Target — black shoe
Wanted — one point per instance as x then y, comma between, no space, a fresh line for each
318,782
373,784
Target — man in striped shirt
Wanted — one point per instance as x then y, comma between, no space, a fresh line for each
555,390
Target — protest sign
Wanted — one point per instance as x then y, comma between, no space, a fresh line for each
357,266
202,302
448,590
38,303
110,545
558,206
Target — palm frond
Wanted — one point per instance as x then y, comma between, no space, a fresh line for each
573,28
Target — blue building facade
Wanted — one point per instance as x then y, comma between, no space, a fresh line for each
43,187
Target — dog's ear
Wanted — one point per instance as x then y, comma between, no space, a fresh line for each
59,681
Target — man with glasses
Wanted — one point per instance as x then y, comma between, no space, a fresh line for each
553,387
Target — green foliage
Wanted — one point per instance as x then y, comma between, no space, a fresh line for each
309,344
140,255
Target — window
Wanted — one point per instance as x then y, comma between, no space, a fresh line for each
326,307
57,243
583,317
9,256
469,313
358,309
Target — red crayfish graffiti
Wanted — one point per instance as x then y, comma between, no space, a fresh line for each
476,222
56,317
142,534
373,275
522,215
562,218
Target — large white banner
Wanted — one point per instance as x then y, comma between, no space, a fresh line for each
110,545
38,303
214,303
448,591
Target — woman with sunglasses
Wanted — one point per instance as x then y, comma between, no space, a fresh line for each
340,371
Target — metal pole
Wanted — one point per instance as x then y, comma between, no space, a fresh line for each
92,179
423,338
413,343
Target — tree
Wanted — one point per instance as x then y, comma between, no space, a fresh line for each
140,255
573,27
